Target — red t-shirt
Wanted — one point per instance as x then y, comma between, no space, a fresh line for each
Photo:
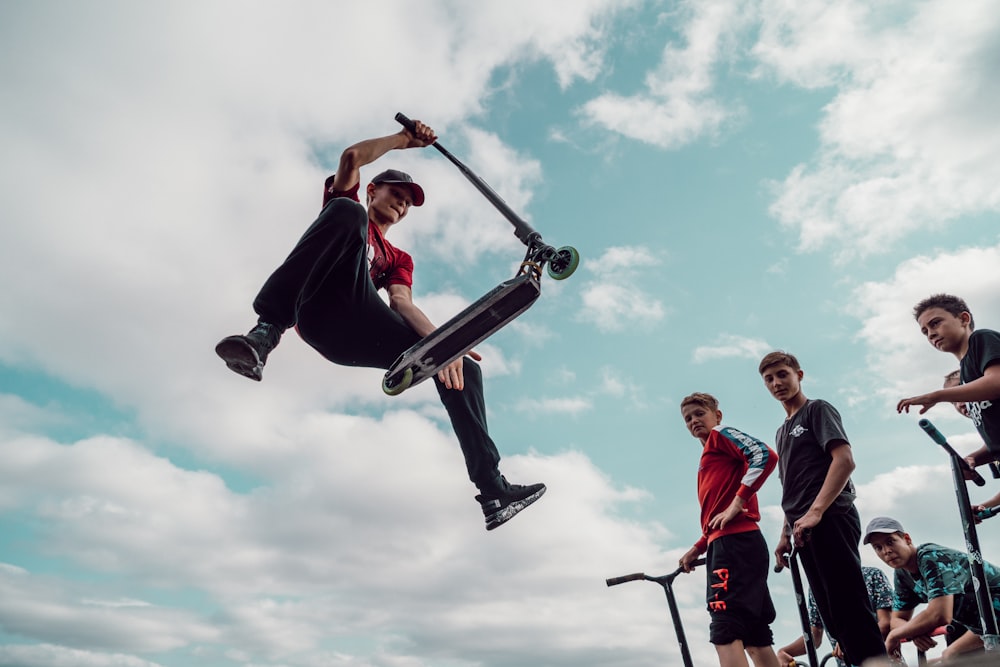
387,264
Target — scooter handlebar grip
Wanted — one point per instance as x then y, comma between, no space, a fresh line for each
932,431
614,581
988,512
406,122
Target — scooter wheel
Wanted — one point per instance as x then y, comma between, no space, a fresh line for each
564,263
396,388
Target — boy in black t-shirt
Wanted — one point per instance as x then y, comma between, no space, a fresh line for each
815,465
948,325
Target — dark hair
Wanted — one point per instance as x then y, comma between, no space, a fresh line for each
704,400
776,358
947,302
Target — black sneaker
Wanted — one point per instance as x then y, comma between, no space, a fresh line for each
501,506
246,355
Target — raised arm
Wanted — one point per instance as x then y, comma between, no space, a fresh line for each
367,151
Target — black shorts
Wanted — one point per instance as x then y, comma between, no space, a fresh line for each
736,590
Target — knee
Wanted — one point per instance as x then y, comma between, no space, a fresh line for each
472,371
346,212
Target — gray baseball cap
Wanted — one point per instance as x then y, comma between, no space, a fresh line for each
882,524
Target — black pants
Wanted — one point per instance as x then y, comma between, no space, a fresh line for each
833,567
324,287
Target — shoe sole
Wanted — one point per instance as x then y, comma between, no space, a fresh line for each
500,517
240,357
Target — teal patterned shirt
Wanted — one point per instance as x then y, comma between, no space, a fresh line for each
944,571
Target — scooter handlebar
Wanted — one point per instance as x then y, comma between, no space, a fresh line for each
939,438
932,431
614,581
406,122
638,576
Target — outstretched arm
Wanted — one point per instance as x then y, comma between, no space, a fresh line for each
367,151
986,388
401,301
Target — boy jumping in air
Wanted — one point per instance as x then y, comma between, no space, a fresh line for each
815,465
732,468
327,289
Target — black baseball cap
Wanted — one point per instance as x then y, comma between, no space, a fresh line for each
402,178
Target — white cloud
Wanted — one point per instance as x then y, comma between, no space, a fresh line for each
570,405
620,258
50,655
677,105
616,299
906,142
339,538
731,346
900,360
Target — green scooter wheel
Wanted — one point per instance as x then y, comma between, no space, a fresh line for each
398,387
564,263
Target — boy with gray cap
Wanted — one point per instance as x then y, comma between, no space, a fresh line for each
931,574
327,289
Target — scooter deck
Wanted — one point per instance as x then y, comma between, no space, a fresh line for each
463,332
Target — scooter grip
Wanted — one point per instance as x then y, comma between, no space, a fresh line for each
988,512
778,567
932,431
614,581
406,122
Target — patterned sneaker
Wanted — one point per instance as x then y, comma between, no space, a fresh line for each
246,354
500,507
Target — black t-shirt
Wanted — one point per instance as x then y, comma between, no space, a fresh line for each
984,351
804,459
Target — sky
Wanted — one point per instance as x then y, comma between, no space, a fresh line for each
738,176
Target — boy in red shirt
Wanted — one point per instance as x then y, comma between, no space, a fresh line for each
327,289
732,468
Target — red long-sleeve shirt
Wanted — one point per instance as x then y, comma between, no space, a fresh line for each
732,463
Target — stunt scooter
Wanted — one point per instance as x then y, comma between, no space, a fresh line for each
495,309
959,469
666,581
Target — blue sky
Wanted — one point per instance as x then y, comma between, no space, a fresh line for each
738,176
